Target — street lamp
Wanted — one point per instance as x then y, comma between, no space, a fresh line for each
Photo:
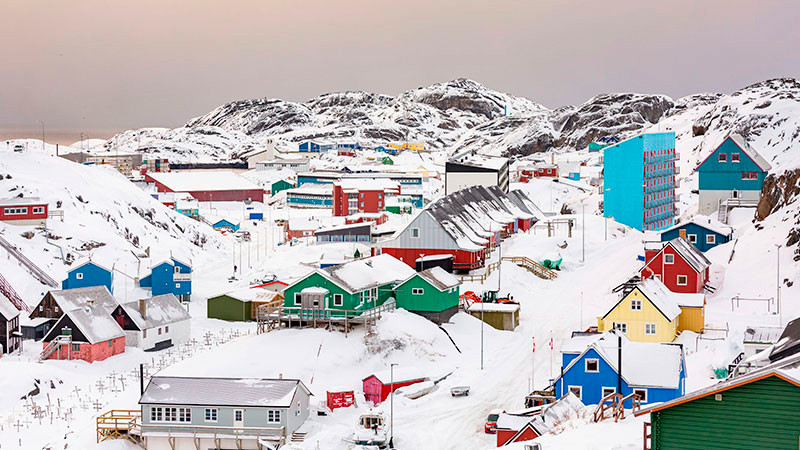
778,286
391,403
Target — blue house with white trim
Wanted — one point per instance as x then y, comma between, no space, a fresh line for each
170,276
733,173
589,368
639,181
89,274
701,233
225,224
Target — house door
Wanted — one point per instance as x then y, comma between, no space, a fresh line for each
682,233
238,418
735,194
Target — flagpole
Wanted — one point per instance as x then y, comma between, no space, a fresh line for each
551,354
533,361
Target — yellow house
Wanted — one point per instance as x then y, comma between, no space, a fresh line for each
652,313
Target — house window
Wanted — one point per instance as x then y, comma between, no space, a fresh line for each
608,391
41,308
273,416
749,175
79,276
76,347
576,390
723,157
362,204
144,333
683,280
166,329
669,258
734,157
159,331
238,414
361,195
621,326
636,305
693,238
177,269
184,414
157,414
211,414
338,300
417,291
711,239
642,393
297,299
592,366
55,308
111,343
177,285
415,232
650,328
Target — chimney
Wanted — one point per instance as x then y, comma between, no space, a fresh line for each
143,307
90,303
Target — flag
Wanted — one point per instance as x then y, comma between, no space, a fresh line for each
551,343
534,344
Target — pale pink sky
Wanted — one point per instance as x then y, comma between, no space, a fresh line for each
84,65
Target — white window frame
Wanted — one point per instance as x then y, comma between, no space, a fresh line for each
576,388
647,327
338,300
603,390
711,239
417,291
586,365
636,304
621,326
298,299
273,416
736,157
643,398
685,280
415,231
79,276
177,285
692,238
211,415
669,258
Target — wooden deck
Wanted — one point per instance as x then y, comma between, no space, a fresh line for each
119,424
275,317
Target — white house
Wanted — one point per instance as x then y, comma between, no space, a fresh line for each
154,323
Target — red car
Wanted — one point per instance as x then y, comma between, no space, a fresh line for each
490,427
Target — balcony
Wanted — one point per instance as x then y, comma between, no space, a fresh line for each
182,276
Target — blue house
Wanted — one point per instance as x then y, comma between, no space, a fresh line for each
89,274
639,186
702,233
225,224
732,174
590,368
170,276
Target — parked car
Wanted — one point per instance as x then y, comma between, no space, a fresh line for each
490,427
459,391
19,147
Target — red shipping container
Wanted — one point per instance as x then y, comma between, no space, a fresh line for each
341,399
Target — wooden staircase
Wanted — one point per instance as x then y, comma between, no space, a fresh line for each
54,345
613,405
11,294
119,424
532,266
298,436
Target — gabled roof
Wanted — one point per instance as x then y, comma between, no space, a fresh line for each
789,340
252,392
84,262
96,324
436,277
71,299
7,309
645,364
762,335
746,148
787,369
688,252
367,273
708,224
22,201
664,300
159,310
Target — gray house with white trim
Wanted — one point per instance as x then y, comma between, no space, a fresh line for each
221,413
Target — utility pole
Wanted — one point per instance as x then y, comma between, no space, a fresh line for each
391,404
583,232
41,122
778,285
482,304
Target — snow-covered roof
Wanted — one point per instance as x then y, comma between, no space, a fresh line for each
21,201
314,290
645,364
203,181
303,223
690,253
312,189
399,375
361,274
255,294
7,309
366,184
762,335
159,310
704,222
493,307
439,278
661,297
96,324
515,422
254,392
751,152
71,299
351,227
478,160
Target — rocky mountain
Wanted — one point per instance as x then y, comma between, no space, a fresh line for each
463,115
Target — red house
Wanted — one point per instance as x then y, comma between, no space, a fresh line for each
89,333
340,399
679,265
23,211
376,218
351,196
549,170
299,227
377,387
515,428
207,186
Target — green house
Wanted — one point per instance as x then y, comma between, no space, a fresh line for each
354,286
432,293
241,305
280,185
757,410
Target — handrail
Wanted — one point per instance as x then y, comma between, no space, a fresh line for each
37,273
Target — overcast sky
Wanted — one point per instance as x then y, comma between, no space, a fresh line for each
85,65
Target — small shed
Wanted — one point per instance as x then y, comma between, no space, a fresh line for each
340,398
502,316
377,387
432,293
280,185
242,305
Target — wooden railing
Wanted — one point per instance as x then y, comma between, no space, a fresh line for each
616,407
272,317
119,424
647,435
11,294
54,345
532,266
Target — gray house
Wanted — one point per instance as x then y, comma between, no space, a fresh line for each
240,413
